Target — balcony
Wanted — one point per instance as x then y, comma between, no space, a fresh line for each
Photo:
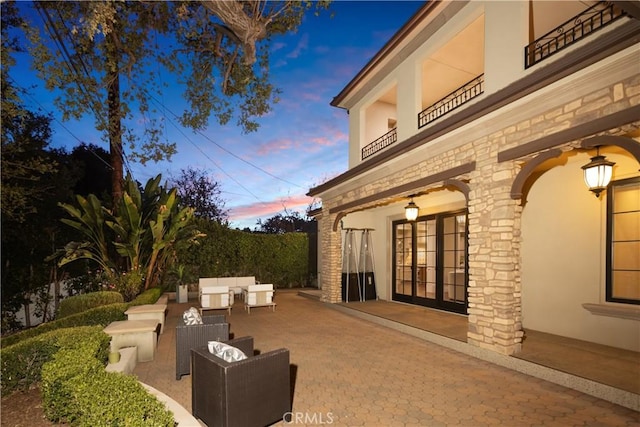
379,144
455,99
583,24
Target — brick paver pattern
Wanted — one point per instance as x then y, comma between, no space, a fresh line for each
350,372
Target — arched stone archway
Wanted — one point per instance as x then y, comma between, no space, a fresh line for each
518,187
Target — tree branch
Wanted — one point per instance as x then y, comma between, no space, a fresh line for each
248,30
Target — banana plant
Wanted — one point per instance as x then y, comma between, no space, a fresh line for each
89,219
147,227
170,225
129,229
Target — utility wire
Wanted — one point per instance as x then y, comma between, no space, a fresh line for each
206,155
67,58
225,149
73,69
62,125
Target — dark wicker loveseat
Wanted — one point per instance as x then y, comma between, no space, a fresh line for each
213,328
253,392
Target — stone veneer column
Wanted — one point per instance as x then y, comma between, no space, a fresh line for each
330,245
495,306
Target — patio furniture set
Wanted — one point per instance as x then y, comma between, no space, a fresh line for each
217,293
254,390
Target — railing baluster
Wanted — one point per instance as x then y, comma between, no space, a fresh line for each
455,99
380,143
590,20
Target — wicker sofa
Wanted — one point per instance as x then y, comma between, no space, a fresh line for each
251,392
213,328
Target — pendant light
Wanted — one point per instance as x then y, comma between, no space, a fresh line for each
597,173
411,211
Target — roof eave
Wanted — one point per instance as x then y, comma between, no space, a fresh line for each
383,53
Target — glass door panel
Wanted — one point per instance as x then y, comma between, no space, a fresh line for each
429,259
403,260
453,259
426,260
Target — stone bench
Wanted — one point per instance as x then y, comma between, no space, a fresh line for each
148,311
134,333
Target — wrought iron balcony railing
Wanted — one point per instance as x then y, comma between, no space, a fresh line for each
455,99
590,20
384,141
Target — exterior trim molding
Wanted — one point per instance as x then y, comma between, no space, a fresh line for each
625,36
388,50
461,186
611,121
527,170
613,311
409,187
629,144
337,221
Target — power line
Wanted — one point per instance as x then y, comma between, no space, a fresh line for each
226,150
26,92
67,58
206,155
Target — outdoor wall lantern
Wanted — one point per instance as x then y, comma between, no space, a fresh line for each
411,210
597,173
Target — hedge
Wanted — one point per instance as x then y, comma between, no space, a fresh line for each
21,364
281,259
83,302
102,315
95,316
150,296
76,388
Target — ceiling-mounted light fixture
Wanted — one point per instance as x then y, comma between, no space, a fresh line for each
411,210
597,173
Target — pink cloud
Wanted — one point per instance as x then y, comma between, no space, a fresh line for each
302,45
276,46
274,146
268,209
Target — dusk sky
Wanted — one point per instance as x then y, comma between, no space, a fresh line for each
300,144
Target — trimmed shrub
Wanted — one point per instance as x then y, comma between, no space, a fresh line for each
150,296
84,302
102,315
109,399
281,259
22,363
76,389
96,316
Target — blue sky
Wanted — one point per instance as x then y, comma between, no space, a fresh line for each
300,144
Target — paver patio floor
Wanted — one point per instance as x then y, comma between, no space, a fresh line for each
352,372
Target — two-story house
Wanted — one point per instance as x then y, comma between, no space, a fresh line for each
487,116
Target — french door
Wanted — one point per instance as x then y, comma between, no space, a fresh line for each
430,261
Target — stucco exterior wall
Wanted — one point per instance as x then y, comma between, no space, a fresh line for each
495,282
524,268
563,258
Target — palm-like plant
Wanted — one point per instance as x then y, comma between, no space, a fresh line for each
89,218
146,228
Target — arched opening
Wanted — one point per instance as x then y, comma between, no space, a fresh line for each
564,247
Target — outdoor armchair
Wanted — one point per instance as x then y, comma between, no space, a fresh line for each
214,296
259,296
213,328
253,392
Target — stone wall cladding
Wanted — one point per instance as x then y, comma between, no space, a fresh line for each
494,293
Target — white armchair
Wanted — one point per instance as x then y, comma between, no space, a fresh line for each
214,296
259,296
